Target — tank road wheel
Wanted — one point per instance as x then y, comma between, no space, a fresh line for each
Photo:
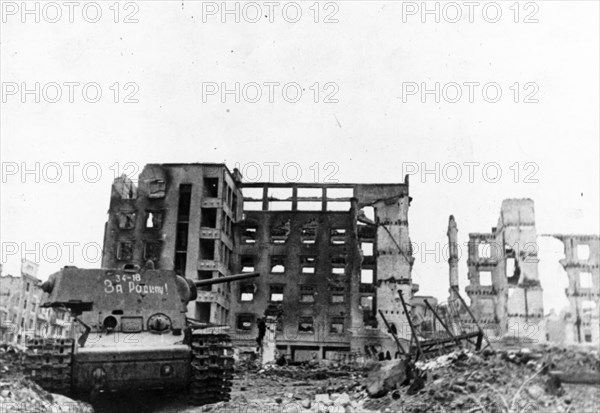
47,361
212,368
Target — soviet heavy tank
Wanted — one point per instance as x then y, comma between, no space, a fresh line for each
133,334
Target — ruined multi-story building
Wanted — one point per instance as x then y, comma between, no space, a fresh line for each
504,287
330,255
20,313
581,263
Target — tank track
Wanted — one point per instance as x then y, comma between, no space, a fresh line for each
211,369
47,362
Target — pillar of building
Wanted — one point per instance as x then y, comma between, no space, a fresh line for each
452,257
394,263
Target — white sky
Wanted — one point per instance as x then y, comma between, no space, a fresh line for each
368,134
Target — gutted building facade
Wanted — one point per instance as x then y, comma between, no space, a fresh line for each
581,263
504,287
331,256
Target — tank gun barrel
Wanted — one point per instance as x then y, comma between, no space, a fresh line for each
226,279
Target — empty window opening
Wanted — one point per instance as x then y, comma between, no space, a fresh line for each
367,248
208,217
336,326
205,275
247,292
369,213
280,232
279,194
245,322
249,235
366,276
338,236
207,249
484,250
588,337
338,270
126,220
210,187
338,206
340,193
276,293
585,280
310,193
280,206
277,265
485,278
154,220
583,252
247,262
310,206
254,194
308,265
307,294
253,206
305,325
157,188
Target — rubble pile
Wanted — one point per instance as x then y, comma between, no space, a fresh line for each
519,380
20,395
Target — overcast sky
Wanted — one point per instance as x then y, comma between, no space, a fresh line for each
370,122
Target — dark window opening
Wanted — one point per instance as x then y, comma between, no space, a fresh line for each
305,325
367,305
516,275
337,236
207,249
203,312
211,187
125,251
247,263
276,293
234,206
208,217
280,233
126,220
338,294
307,294
185,199
308,265
181,242
180,261
249,235
205,275
152,251
308,233
245,322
